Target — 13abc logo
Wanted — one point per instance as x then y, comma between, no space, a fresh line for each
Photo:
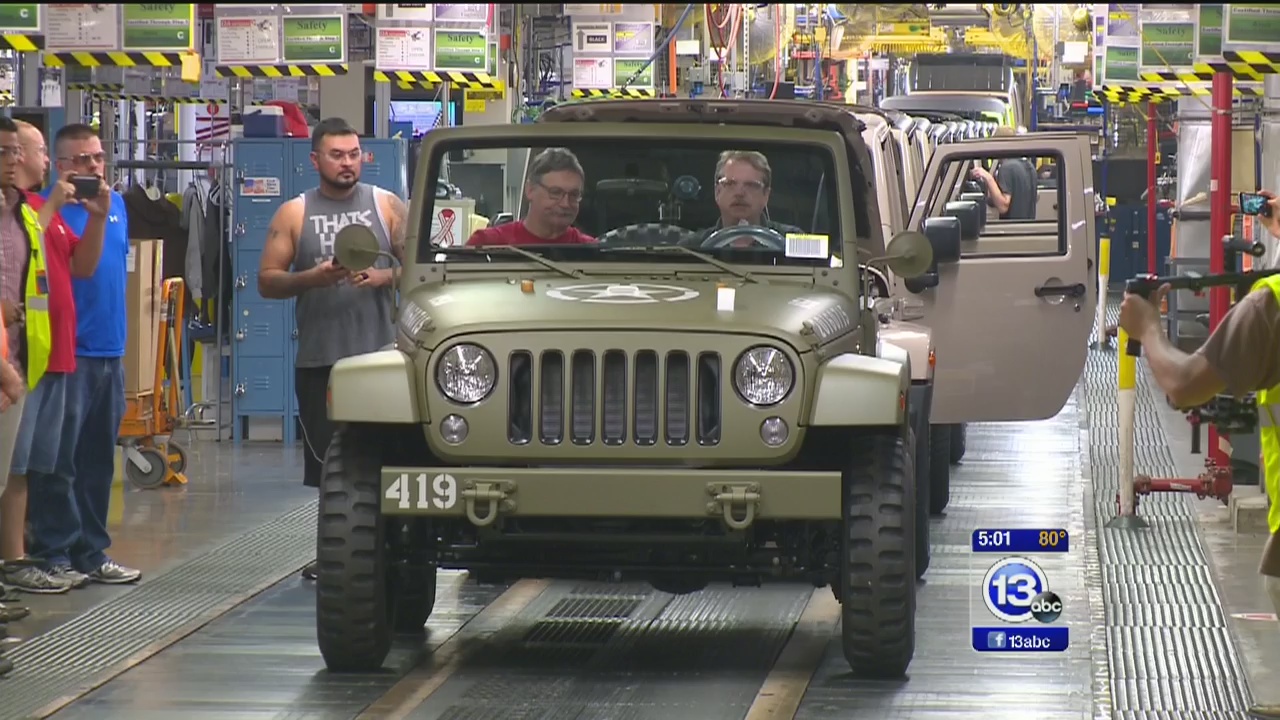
1016,590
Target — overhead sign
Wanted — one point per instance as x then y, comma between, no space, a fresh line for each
318,39
418,12
403,49
153,27
633,38
244,40
20,19
1251,27
592,38
85,28
592,73
459,50
1208,32
477,13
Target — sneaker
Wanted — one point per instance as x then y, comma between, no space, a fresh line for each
32,579
69,576
12,613
309,572
112,573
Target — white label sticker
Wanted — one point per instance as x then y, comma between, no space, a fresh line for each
131,259
800,245
725,299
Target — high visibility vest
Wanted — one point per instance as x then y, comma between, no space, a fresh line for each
39,334
1269,431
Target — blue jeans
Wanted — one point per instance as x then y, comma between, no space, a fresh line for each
37,448
67,510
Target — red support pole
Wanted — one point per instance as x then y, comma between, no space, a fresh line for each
1219,221
1153,145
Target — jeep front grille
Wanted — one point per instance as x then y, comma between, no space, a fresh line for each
613,398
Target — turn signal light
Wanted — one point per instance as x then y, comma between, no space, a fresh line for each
933,358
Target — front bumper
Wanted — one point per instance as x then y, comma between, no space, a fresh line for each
738,497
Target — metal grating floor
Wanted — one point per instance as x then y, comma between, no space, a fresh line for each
1162,646
80,652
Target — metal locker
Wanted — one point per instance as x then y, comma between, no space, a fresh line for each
260,330
247,263
260,386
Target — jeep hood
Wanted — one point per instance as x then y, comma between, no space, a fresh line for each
796,313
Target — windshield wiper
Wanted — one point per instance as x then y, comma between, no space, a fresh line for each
513,250
691,253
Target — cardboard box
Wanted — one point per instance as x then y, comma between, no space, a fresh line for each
143,304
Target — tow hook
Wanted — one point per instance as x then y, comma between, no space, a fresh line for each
491,496
735,503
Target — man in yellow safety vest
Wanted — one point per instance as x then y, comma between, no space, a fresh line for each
1241,356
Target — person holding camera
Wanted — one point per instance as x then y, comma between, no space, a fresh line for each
67,510
1241,356
65,255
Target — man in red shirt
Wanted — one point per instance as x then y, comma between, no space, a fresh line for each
36,448
554,194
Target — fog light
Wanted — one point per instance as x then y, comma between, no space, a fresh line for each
453,429
773,431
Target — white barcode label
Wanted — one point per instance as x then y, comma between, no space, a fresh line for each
807,246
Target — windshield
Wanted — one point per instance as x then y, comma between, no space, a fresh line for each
609,200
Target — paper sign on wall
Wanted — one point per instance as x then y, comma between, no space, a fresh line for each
592,38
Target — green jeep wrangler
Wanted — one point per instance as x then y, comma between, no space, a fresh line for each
682,401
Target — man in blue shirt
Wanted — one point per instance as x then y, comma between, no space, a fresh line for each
67,512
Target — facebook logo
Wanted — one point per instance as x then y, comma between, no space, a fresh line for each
995,640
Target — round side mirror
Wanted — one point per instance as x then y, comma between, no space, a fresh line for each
909,254
356,248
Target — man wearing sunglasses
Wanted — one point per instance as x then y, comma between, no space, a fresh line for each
553,193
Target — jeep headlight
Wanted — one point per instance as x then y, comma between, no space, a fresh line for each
763,375
466,373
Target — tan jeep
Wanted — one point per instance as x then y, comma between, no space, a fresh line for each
667,405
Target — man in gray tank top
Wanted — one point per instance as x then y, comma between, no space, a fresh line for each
339,313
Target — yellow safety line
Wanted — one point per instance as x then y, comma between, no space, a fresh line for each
420,683
785,685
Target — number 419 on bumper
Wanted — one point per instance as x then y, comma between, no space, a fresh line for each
423,493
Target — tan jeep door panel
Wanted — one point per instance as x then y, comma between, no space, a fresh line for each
1004,353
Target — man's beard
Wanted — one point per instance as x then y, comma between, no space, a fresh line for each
339,182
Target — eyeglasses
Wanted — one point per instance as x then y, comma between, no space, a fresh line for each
86,158
558,194
10,151
732,185
339,156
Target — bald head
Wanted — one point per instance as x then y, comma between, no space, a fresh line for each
35,156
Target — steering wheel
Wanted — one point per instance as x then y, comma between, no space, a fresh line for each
645,234
760,235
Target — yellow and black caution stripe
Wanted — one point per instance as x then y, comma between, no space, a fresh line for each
159,99
617,93
1131,94
95,87
281,71
113,59
1246,66
464,80
21,43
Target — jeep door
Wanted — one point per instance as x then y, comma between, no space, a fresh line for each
1011,316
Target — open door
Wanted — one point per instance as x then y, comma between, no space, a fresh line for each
1011,299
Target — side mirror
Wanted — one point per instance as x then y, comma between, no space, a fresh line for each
980,199
970,216
943,234
502,218
908,254
356,248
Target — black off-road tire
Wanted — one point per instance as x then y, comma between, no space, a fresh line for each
919,456
939,477
877,573
360,601
958,437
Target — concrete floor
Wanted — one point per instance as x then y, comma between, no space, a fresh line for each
232,489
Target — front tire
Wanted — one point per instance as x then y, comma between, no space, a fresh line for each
361,599
939,477
918,452
958,438
877,573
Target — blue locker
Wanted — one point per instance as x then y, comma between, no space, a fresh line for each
271,171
